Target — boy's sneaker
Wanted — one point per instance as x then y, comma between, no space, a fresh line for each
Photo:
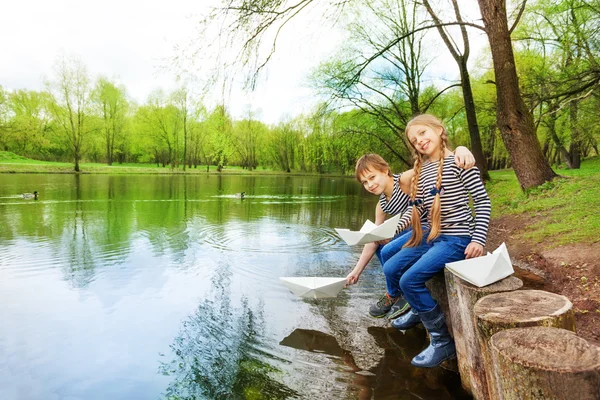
398,308
383,306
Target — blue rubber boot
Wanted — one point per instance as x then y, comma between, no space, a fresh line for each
442,346
407,321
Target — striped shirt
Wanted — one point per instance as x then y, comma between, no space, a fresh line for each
456,216
398,202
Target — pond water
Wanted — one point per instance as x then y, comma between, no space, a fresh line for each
166,287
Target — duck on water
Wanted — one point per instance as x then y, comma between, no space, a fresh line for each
30,196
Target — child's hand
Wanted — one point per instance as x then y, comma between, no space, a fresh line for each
352,278
473,250
463,157
383,242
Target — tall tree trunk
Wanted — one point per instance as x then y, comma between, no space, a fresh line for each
513,118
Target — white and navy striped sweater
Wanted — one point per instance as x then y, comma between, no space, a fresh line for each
398,202
456,216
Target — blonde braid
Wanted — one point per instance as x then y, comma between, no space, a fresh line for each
436,208
417,231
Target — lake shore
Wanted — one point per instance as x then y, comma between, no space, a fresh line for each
129,169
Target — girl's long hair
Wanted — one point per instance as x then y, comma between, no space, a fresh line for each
435,212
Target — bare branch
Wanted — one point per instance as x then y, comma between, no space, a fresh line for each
430,103
519,15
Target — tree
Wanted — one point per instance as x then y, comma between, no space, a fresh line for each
181,99
4,118
219,124
561,49
513,117
162,123
71,104
112,104
245,140
30,125
282,145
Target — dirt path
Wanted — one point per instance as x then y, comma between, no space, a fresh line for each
572,270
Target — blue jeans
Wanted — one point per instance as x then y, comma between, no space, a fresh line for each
384,252
397,259
444,249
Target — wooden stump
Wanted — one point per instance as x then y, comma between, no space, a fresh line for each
524,308
462,297
545,363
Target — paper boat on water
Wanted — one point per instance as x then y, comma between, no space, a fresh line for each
483,271
314,287
370,232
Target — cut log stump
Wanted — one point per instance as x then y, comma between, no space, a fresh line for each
524,308
462,297
545,363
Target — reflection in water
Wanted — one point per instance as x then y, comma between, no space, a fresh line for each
219,357
393,377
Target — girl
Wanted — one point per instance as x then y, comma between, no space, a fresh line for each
374,173
440,190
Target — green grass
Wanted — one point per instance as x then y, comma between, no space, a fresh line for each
12,163
559,212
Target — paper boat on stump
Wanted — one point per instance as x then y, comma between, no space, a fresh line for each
314,287
370,232
483,271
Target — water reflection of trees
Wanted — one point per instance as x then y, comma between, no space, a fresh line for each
92,221
217,352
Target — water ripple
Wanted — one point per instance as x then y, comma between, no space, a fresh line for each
270,238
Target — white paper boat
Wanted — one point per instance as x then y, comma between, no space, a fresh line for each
370,232
485,270
314,287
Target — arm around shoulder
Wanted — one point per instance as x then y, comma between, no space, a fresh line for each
463,157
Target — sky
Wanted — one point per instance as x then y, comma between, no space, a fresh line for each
132,41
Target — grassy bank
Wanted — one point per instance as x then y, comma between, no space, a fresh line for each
560,212
12,163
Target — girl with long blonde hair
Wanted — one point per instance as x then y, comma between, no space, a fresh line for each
439,196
